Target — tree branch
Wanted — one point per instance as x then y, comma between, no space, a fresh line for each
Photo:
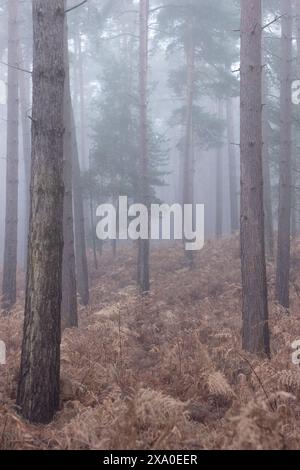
15,67
273,21
153,10
76,6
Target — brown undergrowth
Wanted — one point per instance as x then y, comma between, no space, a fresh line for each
167,371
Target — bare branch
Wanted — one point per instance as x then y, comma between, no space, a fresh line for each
153,10
272,22
15,67
76,6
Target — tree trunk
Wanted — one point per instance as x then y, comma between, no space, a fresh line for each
80,240
295,202
92,220
82,106
233,190
219,183
82,156
255,332
26,140
12,164
269,230
38,388
188,164
69,292
284,217
144,245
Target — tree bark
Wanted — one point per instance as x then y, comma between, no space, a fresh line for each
295,201
69,311
9,282
255,331
144,245
284,216
38,388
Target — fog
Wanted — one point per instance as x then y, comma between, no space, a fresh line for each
93,54
149,224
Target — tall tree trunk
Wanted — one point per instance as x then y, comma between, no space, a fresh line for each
80,161
94,239
284,217
269,230
69,292
144,245
188,164
255,331
26,141
219,183
84,162
233,189
79,222
38,388
9,284
295,202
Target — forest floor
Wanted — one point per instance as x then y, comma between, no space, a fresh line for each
166,372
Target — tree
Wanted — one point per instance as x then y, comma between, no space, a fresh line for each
26,141
9,282
79,220
269,231
269,235
196,31
188,165
79,225
284,215
255,332
69,291
79,27
116,152
295,202
25,64
144,245
38,388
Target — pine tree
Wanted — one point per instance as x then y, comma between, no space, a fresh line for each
255,332
38,388
144,245
284,216
9,282
69,291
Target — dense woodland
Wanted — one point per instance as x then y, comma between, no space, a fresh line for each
144,344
